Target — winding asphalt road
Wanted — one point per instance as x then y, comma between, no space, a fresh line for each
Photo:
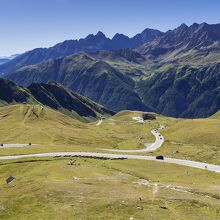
99,122
200,165
13,145
154,146
159,141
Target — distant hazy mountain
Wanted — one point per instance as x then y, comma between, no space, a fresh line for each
52,95
90,43
5,59
11,57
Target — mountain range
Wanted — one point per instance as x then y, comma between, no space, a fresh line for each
175,73
90,43
193,44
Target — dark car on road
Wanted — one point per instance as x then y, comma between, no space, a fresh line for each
160,157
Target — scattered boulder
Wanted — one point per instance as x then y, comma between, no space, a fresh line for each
72,162
149,116
10,179
163,207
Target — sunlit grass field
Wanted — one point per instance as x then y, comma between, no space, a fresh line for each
97,189
49,131
50,188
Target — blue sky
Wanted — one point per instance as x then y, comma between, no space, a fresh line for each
27,24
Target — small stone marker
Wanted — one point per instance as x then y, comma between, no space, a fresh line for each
10,179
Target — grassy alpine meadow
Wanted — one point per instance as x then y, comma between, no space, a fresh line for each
77,188
193,139
50,188
51,131
107,117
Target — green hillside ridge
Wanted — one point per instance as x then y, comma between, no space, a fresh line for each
12,93
52,95
95,79
58,97
216,115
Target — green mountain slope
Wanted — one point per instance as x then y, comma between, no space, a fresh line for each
54,96
90,77
12,93
63,99
179,91
183,92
